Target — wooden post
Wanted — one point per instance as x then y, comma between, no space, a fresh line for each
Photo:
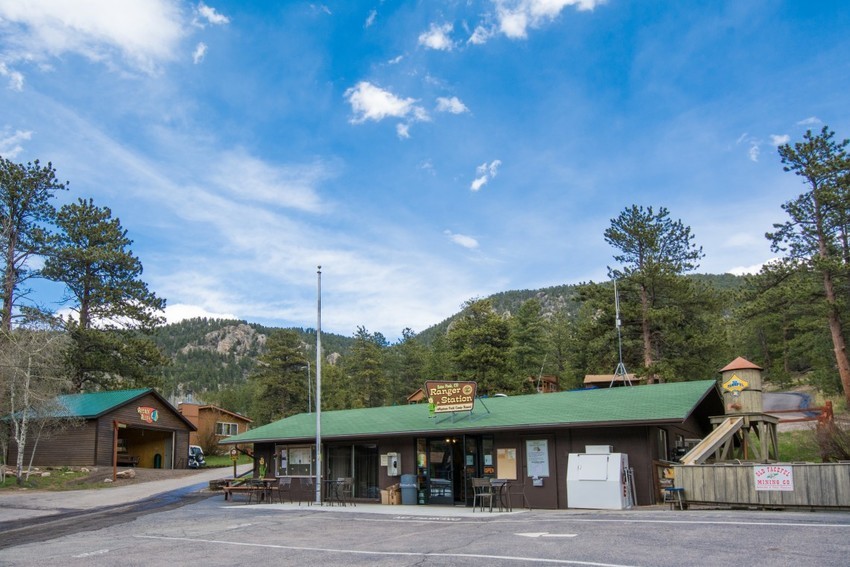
114,450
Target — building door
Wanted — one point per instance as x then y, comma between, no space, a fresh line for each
360,463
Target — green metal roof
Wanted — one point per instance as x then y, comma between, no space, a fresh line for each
671,403
97,403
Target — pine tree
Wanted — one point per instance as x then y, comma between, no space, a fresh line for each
365,369
528,352
26,212
653,250
817,231
480,340
114,310
280,380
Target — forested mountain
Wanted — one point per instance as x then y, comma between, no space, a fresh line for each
208,355
211,355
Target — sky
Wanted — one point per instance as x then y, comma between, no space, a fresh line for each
423,153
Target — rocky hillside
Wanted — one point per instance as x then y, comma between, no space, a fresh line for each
211,354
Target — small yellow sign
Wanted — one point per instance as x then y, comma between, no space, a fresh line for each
735,384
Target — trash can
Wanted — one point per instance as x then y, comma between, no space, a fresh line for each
408,489
157,461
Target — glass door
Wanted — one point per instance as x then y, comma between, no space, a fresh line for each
440,471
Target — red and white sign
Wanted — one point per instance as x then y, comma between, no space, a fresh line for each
773,477
148,414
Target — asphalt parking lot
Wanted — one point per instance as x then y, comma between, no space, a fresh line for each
210,531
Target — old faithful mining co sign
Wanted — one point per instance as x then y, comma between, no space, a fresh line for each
446,397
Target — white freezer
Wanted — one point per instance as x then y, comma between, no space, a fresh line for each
598,481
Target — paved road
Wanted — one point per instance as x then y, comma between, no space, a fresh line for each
210,531
16,505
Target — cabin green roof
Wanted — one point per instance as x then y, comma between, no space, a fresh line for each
656,403
87,406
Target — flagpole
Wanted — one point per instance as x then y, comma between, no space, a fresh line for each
319,392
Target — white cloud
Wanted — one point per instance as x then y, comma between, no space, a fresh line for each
462,240
437,37
810,121
779,140
396,60
515,17
10,144
484,173
181,311
369,102
199,53
144,32
370,19
252,179
211,16
453,105
16,79
480,35
754,151
403,130
754,269
478,183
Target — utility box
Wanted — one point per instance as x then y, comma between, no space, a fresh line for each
393,464
599,481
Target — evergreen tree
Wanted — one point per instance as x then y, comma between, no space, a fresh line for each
528,352
26,213
780,324
408,369
561,338
111,303
279,379
817,230
654,252
480,340
364,367
438,364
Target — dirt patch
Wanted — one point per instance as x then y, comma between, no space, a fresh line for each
97,476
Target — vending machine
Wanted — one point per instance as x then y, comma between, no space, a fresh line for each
599,480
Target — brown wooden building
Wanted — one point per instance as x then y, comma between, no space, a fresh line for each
150,432
213,423
526,440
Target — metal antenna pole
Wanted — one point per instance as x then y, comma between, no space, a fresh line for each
621,368
319,392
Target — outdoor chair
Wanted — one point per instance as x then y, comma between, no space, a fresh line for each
257,489
346,490
284,488
482,493
307,493
518,489
500,493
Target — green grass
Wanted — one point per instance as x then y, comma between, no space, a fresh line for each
59,479
216,461
798,446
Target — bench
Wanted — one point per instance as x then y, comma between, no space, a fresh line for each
127,460
252,489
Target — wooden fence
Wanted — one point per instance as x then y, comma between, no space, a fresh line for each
822,415
815,485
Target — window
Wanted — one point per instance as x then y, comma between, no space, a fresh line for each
223,428
295,461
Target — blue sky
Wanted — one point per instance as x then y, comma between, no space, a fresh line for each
423,153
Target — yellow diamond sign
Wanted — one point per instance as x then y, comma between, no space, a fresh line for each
735,384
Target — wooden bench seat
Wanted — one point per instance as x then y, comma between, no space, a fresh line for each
249,489
127,460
